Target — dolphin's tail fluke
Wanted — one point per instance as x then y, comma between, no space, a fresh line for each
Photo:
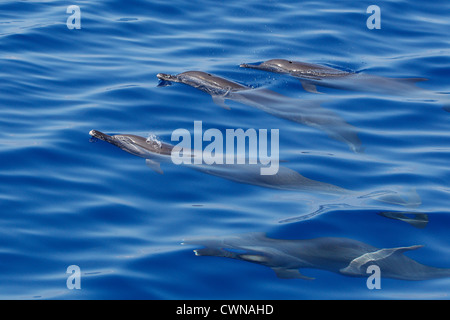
393,264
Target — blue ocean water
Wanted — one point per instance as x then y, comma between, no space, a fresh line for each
67,199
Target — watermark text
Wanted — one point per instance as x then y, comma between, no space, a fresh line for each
231,149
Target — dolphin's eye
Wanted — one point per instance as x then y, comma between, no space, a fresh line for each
290,61
209,74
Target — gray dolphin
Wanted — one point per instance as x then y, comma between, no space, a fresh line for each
155,152
341,255
312,75
309,113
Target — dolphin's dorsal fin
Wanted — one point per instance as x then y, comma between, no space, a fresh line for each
354,267
220,101
308,86
154,165
285,273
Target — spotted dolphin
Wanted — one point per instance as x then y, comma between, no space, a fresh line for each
156,152
341,255
313,75
309,113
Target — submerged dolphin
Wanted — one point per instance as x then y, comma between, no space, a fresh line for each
341,255
155,152
313,75
309,113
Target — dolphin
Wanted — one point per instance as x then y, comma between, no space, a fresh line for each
151,149
155,152
340,255
313,75
309,113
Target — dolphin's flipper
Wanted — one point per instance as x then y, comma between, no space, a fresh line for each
308,86
376,257
284,273
220,101
154,165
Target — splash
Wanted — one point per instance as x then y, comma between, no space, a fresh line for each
153,140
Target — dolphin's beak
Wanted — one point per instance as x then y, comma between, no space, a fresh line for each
100,135
250,66
166,79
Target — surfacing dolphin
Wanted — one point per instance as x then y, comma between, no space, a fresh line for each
341,255
313,75
155,152
309,113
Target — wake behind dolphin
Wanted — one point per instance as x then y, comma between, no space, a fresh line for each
340,255
309,113
313,75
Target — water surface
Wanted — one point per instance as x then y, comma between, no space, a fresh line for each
68,200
